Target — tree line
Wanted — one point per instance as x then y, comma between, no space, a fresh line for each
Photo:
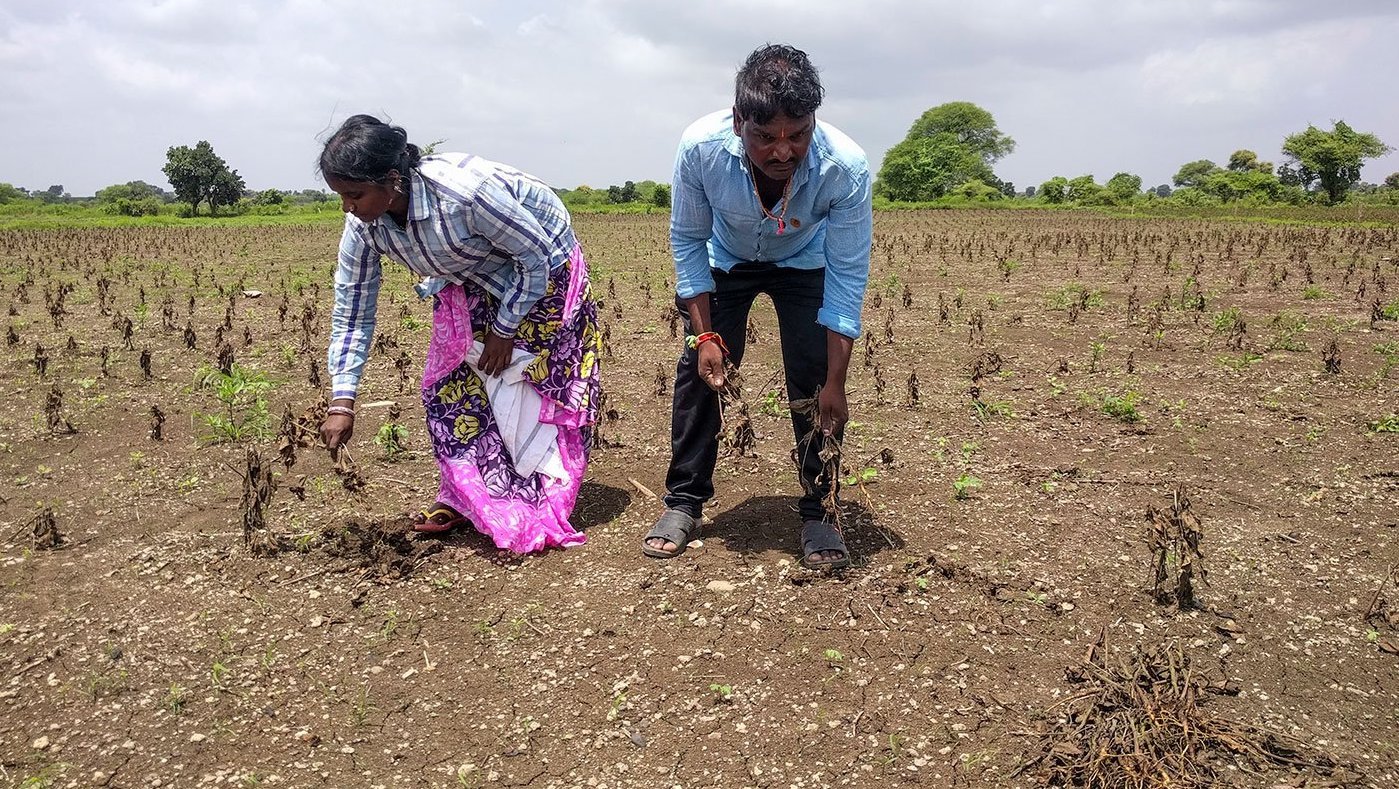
950,151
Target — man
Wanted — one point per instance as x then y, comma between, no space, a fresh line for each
766,199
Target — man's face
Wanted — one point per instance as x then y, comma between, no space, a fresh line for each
367,201
778,146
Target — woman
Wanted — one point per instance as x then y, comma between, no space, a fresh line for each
511,380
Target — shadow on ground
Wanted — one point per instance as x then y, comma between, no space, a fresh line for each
771,523
597,504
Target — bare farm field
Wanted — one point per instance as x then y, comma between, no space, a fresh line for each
1123,495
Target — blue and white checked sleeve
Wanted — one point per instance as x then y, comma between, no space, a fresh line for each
498,216
358,272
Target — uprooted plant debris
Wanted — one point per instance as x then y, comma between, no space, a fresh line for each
348,471
43,528
1141,722
1174,536
257,491
300,432
735,425
386,551
810,407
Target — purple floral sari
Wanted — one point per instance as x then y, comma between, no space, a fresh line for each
519,513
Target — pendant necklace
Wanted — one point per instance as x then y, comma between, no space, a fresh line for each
780,218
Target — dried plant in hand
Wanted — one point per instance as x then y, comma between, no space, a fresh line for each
345,467
300,432
1140,722
735,424
1174,538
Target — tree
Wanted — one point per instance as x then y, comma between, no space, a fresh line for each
199,175
1124,186
1082,189
1029,191
978,190
269,197
1391,181
949,145
926,168
133,198
1331,159
131,190
970,125
628,192
1055,190
54,194
1194,173
10,192
660,196
1163,190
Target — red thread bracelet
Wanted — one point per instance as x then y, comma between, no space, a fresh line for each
712,336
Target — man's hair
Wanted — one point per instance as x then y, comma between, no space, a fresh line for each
776,78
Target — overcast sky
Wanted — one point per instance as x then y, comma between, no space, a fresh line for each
596,92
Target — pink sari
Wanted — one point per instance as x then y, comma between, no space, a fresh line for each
479,479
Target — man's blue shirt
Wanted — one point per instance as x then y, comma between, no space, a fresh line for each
717,222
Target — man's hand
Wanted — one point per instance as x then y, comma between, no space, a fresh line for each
337,428
835,412
495,354
710,363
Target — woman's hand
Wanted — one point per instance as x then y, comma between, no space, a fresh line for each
337,428
495,354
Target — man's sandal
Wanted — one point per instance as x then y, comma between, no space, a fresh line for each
437,520
673,526
819,536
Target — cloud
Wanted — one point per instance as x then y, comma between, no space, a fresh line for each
597,91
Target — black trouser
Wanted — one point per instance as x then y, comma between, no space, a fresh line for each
796,294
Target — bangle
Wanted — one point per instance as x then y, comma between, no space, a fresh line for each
341,409
696,340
